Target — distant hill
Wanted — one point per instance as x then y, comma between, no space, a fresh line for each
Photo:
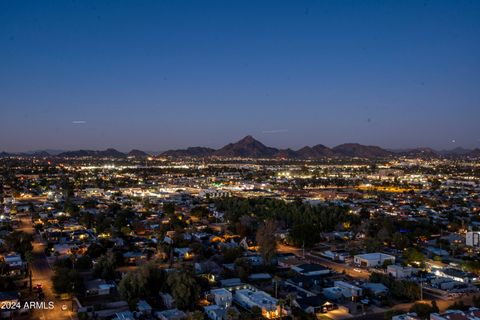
50,152
454,152
40,154
246,147
109,153
360,151
249,147
189,152
135,153
474,153
315,152
286,154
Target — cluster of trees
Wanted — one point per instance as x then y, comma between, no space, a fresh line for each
423,310
246,216
106,265
143,282
66,280
19,241
472,266
399,234
184,288
149,280
402,289
243,268
415,257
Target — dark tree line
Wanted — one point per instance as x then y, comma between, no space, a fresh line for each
305,221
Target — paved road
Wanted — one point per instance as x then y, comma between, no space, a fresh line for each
42,273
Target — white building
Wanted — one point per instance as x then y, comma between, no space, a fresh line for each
215,312
472,239
400,272
222,297
13,260
372,259
249,298
339,255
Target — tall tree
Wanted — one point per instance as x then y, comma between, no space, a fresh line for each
266,241
19,241
146,281
184,288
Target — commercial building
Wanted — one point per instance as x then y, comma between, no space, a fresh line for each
372,259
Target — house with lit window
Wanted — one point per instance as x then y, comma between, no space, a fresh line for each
222,297
251,297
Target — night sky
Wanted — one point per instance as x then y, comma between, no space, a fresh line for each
156,75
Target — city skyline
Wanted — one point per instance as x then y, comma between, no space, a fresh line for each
159,76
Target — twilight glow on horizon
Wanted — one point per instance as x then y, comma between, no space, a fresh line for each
156,75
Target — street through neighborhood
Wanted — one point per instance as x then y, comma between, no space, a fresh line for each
42,273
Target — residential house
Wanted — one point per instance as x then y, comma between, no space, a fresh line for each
172,314
311,269
215,312
251,297
349,291
315,304
222,297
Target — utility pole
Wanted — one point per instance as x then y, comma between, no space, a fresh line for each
421,288
276,288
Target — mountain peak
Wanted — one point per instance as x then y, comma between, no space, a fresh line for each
135,153
248,139
246,147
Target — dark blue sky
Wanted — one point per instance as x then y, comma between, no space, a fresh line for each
168,74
